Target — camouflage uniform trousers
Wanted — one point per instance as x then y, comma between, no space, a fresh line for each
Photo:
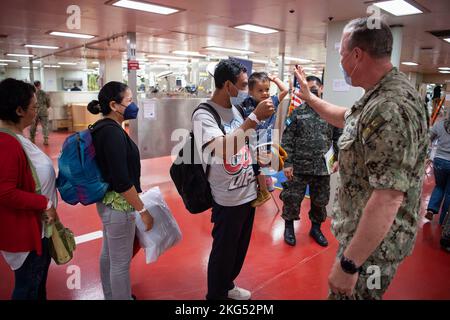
294,192
43,120
366,287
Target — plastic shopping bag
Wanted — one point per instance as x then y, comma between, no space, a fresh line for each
165,232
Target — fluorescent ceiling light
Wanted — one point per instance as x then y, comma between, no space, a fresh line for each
447,39
95,62
444,71
68,63
259,61
255,28
71,35
6,60
51,66
188,53
440,68
40,47
19,55
3,64
398,7
160,56
301,60
36,61
410,63
28,67
309,68
221,49
171,62
159,66
143,6
218,57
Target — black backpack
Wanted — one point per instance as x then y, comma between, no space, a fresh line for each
189,178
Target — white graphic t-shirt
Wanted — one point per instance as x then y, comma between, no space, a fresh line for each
233,182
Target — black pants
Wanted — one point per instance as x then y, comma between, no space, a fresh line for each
231,236
31,277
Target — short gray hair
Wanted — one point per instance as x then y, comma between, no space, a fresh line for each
377,41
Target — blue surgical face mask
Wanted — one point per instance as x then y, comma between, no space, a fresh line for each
347,77
242,95
131,112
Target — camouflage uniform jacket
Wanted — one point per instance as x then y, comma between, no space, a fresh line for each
306,139
383,146
43,103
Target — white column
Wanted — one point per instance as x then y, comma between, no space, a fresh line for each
49,79
336,90
131,55
281,66
111,70
397,34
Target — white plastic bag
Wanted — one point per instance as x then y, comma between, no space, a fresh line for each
165,232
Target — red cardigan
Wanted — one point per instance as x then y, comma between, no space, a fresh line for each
20,206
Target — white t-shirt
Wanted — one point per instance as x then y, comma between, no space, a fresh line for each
47,177
232,183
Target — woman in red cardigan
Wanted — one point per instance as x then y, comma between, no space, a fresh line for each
22,208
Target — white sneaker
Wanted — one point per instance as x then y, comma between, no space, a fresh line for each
239,294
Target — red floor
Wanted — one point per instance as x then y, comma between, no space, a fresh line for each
272,269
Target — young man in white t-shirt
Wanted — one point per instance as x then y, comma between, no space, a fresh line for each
231,177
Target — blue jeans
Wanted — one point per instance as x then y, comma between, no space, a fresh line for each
442,189
117,250
31,277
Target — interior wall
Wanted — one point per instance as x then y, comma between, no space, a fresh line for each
24,74
19,74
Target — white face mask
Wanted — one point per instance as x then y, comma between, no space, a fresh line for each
347,77
241,96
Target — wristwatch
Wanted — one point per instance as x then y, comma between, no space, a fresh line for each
253,117
349,266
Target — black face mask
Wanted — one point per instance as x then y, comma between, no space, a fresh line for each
315,92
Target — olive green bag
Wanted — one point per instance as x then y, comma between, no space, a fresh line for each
62,244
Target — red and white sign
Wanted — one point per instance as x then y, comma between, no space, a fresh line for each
133,65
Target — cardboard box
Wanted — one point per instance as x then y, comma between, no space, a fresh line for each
80,117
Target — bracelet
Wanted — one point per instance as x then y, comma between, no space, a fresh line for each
254,118
142,210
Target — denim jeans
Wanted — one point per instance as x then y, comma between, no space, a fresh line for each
31,277
117,250
441,191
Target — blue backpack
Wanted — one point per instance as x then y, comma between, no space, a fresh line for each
79,178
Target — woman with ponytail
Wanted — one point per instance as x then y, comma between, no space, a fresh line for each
119,161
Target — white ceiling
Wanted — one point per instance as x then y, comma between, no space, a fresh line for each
207,23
